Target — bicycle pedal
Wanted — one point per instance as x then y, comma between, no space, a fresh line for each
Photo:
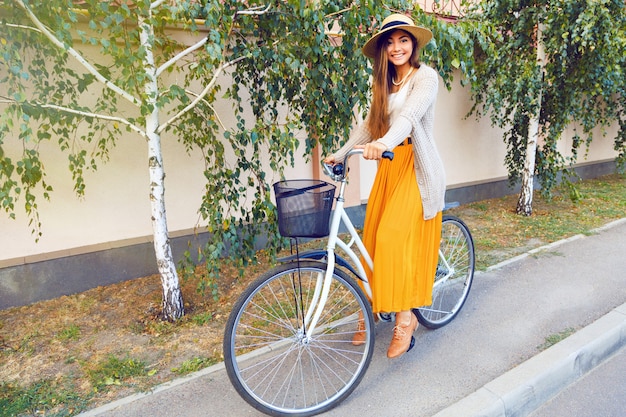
412,343
386,317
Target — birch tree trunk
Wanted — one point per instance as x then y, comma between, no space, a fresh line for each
172,296
525,201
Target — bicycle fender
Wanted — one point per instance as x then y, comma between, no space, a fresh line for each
319,255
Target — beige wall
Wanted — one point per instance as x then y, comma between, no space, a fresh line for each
115,210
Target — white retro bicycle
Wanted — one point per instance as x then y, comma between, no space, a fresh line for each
288,341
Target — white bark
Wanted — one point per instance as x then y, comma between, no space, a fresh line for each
172,296
525,201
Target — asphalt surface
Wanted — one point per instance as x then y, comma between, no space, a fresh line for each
488,361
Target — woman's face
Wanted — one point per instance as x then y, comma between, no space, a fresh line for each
399,48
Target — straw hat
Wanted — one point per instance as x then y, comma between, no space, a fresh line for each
398,21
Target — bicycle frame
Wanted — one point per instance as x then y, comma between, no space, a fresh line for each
320,295
322,288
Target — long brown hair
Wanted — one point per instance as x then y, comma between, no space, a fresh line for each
383,76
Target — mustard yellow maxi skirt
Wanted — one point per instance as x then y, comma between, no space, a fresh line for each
403,246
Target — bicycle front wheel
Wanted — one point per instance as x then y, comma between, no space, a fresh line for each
454,275
275,362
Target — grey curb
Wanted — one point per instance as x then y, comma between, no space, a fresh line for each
529,385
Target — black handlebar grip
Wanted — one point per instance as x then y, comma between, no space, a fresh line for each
388,155
338,169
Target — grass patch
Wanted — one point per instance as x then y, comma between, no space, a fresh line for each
45,397
116,371
202,318
193,365
553,339
115,343
72,332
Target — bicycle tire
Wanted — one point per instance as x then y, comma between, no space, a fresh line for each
277,367
454,277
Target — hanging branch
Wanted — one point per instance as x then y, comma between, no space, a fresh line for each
15,26
44,30
209,105
94,115
199,44
180,55
4,100
253,11
156,4
200,96
258,10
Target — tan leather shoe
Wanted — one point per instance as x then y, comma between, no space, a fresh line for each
359,336
401,339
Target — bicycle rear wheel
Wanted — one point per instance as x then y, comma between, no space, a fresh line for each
454,275
275,363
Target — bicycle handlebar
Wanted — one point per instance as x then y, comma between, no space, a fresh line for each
337,171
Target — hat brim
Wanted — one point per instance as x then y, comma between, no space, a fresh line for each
421,34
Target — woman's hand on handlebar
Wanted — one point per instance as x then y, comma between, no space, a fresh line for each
330,160
335,169
372,150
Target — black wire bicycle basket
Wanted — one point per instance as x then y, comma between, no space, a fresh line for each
304,207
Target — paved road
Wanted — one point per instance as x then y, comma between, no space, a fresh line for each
486,360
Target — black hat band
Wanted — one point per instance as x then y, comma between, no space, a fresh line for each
394,23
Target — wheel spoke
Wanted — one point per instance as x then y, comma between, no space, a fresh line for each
279,367
454,275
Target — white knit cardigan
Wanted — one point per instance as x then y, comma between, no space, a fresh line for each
419,112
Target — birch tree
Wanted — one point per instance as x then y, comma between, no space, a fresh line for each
527,175
573,74
43,95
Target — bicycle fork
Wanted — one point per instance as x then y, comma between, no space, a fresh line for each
322,287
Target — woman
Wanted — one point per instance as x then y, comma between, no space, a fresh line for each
403,217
